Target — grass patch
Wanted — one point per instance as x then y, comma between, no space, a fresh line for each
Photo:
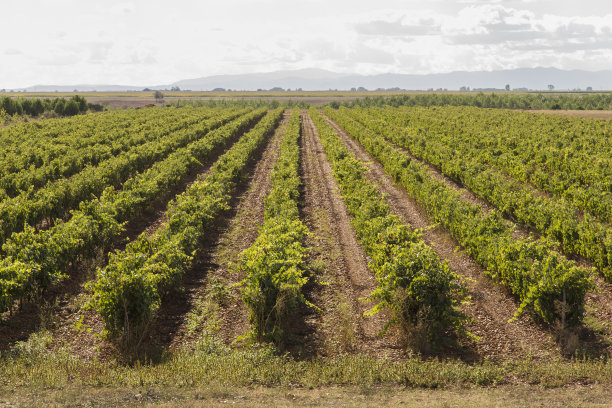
33,366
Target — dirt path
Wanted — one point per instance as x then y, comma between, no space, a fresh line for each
597,333
208,297
490,307
341,262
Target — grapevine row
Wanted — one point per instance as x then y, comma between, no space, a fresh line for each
28,134
553,217
37,259
34,144
273,266
413,282
569,158
129,290
532,270
57,198
63,160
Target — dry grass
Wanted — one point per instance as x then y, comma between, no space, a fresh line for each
216,396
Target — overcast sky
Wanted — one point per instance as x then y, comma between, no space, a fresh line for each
150,42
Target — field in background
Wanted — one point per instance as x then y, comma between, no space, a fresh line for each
140,99
123,100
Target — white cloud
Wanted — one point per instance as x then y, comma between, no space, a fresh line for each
12,51
147,42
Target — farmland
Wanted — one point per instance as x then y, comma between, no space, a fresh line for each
254,245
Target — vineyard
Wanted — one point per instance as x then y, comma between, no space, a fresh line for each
378,232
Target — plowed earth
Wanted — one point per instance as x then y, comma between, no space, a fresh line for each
342,264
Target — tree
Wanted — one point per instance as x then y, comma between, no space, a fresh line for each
551,87
37,107
26,106
60,103
158,96
507,87
81,102
71,108
95,107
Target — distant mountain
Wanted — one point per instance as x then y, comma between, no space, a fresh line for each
307,79
318,79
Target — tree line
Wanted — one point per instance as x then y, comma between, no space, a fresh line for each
37,106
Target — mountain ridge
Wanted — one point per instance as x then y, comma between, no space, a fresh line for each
314,79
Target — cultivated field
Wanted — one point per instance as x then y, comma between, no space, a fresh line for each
587,104
166,254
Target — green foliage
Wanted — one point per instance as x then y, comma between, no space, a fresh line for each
129,290
36,153
71,108
36,259
274,269
273,266
413,282
531,269
37,106
480,164
116,162
4,117
59,106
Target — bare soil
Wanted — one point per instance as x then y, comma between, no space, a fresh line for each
342,263
491,307
596,334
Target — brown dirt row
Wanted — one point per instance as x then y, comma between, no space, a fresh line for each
491,307
341,263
